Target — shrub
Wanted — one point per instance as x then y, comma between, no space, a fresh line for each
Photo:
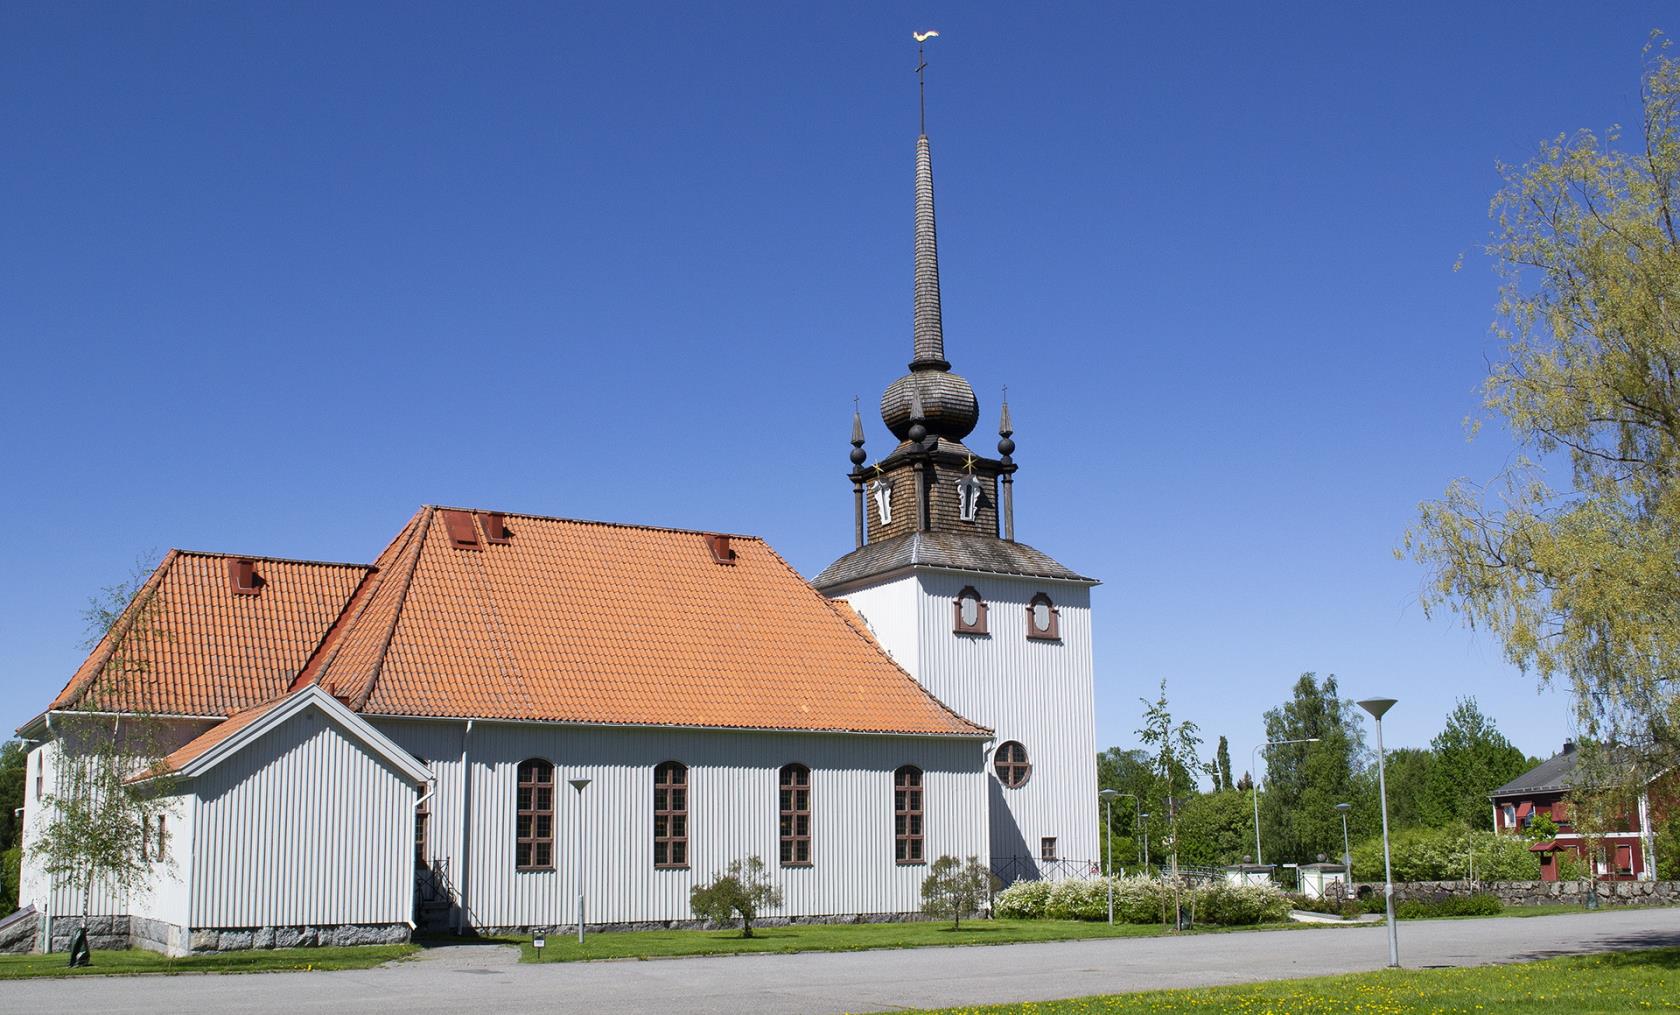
1079,900
956,889
1141,900
743,888
1480,904
1223,903
1023,900
1444,854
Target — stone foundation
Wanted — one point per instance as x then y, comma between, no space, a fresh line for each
1536,893
19,931
764,921
212,939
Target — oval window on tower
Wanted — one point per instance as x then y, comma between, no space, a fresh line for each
971,612
1043,619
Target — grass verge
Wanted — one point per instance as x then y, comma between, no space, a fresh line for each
1627,981
836,937
137,961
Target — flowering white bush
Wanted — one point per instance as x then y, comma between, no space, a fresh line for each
1141,900
1023,900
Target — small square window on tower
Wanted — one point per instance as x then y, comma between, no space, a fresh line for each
1047,848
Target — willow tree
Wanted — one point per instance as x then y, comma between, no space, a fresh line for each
1572,556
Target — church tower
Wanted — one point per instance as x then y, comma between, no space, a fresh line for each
997,630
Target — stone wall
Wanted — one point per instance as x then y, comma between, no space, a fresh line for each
762,921
1536,893
210,939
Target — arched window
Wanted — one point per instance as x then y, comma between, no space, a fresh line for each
1044,621
796,815
907,814
970,612
533,847
670,815
1011,764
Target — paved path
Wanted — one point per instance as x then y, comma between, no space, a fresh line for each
484,979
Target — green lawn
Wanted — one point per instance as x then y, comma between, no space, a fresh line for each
1630,981
135,961
835,937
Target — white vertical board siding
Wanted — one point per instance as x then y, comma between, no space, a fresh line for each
164,897
1037,692
303,826
890,611
733,814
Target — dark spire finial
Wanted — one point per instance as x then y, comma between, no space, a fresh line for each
858,454
1006,429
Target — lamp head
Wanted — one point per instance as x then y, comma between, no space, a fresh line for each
578,784
1344,808
1377,706
1108,794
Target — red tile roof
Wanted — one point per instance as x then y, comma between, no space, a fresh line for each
592,622
565,621
189,645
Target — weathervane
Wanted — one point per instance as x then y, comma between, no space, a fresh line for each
921,68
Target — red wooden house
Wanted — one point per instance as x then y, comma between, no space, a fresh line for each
1624,853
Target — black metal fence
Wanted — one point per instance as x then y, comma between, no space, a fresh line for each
1011,869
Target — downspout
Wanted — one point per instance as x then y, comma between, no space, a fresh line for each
1648,863
466,827
415,880
47,904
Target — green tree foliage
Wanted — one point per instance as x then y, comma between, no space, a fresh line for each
1127,773
744,889
954,888
110,790
1580,583
1471,759
1222,764
1445,854
1304,782
1173,748
1409,771
101,820
14,761
1216,829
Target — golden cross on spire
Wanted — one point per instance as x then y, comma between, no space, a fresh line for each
968,463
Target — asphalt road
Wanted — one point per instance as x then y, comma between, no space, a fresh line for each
483,979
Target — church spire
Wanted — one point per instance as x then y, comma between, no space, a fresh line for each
930,395
929,329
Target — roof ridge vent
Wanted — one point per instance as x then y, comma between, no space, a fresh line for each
495,527
242,577
718,544
463,535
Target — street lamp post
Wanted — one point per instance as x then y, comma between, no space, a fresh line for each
1144,818
1254,786
579,784
1108,796
1378,707
1347,854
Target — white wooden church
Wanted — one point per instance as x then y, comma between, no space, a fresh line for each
449,736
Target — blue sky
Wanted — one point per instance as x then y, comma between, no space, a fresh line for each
274,275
